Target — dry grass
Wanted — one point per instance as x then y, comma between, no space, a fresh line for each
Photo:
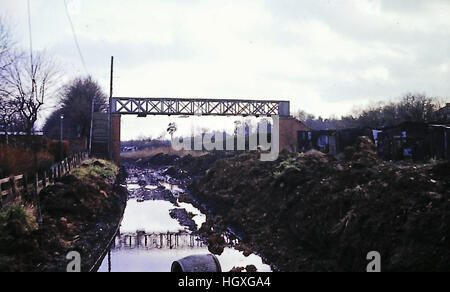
96,168
163,150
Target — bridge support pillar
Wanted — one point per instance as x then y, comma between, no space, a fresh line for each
289,128
115,138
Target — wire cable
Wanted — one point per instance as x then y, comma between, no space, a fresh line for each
30,34
75,38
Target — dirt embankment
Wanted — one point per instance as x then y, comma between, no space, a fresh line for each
313,212
80,213
183,168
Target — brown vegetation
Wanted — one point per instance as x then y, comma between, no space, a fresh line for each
17,160
19,157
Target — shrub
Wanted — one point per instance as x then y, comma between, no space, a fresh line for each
17,241
54,148
18,160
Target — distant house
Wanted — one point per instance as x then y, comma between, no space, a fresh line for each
444,113
408,140
330,141
439,138
417,141
289,127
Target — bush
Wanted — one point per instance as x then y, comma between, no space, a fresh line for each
54,148
14,160
17,224
18,160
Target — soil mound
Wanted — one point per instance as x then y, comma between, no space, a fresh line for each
313,212
160,159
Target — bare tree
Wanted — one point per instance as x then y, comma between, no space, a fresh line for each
6,47
8,116
410,108
29,83
8,112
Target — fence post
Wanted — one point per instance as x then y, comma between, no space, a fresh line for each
12,182
36,182
56,172
1,198
25,184
44,180
38,205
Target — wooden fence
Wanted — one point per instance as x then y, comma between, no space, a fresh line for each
22,184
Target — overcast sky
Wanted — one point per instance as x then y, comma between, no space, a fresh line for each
326,57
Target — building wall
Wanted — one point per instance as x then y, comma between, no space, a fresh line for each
100,135
444,113
289,128
115,138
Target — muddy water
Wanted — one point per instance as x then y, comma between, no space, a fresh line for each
150,239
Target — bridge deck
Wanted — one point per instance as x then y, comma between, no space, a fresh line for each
204,107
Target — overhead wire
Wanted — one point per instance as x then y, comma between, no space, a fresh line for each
75,38
30,34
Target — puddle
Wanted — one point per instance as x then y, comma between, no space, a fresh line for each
150,240
199,217
161,259
132,187
150,217
171,187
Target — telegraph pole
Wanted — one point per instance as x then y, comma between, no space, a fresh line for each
61,138
91,127
110,107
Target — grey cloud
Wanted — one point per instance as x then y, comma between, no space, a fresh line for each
130,54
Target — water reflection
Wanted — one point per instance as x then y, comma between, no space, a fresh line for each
160,240
142,240
141,252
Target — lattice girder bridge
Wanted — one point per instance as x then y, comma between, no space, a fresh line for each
203,107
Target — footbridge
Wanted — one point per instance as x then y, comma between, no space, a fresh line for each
107,126
200,107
